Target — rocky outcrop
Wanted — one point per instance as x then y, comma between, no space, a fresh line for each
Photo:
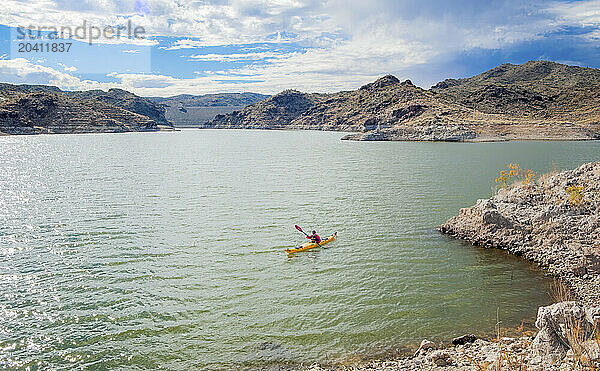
50,113
553,221
276,112
543,221
388,80
31,109
423,133
565,341
128,101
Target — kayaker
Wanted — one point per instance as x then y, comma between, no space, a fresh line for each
314,237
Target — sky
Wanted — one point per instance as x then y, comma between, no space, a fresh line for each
266,46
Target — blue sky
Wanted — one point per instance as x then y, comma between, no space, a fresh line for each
207,46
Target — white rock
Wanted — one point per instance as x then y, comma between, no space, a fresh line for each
425,346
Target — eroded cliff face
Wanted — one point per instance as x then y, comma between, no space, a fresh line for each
535,100
46,110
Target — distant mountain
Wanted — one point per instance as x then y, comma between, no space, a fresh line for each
39,109
388,108
195,110
535,100
547,90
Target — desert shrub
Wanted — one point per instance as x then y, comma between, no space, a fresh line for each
514,173
576,195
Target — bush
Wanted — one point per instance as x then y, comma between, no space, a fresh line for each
514,173
576,195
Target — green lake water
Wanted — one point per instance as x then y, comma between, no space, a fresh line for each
149,250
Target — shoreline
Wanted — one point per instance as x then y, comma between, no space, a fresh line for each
350,136
353,136
481,139
513,221
552,233
406,351
162,129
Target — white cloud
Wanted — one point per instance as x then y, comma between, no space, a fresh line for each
131,51
345,43
218,22
67,68
22,71
580,13
238,57
441,25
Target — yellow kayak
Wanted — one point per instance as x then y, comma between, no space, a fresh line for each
311,245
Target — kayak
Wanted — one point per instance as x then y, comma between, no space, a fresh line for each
311,245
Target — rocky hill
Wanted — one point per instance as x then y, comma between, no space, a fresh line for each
194,110
385,105
38,109
535,100
126,100
552,90
276,112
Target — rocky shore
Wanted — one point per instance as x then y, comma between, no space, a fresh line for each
39,109
554,222
564,342
545,222
426,133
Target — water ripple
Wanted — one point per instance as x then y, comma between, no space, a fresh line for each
144,251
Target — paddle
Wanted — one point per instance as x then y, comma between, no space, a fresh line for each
306,234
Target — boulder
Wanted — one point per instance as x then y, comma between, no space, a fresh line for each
465,339
440,358
425,346
562,326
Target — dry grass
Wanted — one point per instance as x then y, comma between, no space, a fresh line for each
584,344
508,359
544,177
583,341
559,292
514,174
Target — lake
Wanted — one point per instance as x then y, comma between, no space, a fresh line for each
166,249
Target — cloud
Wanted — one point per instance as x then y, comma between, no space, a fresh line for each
67,68
22,71
341,44
472,23
264,56
581,13
437,23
